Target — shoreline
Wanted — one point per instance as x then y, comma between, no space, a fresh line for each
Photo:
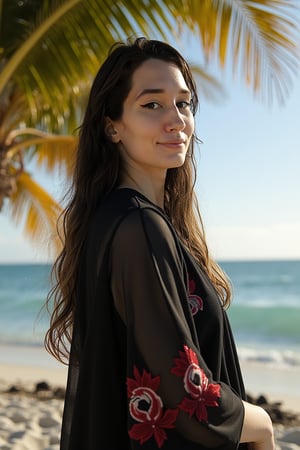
32,364
278,384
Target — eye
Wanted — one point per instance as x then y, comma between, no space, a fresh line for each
151,105
183,105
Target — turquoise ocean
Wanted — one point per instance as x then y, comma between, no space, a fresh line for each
264,314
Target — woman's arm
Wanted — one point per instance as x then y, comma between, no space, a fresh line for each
150,294
257,428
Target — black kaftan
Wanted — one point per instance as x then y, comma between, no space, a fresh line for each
157,365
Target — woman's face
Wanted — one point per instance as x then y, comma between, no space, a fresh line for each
157,124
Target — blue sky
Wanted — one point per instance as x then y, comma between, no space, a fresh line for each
248,183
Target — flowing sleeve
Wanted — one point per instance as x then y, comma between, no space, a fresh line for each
169,387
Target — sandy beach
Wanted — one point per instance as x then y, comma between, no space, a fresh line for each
31,419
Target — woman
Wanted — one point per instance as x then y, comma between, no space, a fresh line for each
153,362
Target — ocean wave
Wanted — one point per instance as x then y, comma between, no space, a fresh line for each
278,358
264,302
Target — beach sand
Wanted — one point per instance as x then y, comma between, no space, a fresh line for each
31,420
278,383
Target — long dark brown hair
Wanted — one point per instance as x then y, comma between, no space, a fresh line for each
98,171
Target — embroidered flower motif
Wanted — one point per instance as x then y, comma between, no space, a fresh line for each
201,393
146,407
195,302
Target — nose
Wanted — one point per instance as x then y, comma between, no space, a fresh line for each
174,120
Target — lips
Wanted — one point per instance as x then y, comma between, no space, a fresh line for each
174,143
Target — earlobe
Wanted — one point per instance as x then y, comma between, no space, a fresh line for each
114,137
110,131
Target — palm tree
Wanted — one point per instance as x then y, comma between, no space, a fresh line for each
51,49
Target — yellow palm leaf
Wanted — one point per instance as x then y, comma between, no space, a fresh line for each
259,39
40,210
50,151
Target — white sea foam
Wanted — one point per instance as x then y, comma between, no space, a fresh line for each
283,358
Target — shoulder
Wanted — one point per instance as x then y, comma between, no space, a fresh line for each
135,210
122,201
144,223
113,208
126,218
129,208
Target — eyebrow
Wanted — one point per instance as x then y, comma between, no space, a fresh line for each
159,91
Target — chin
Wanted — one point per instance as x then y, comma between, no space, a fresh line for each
177,162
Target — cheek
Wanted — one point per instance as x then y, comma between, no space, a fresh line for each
190,126
146,124
139,129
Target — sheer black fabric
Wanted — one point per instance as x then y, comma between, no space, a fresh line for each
153,361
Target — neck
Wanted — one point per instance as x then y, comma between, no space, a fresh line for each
152,188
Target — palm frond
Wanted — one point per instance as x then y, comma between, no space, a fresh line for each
30,200
259,39
56,152
13,110
50,51
49,151
64,47
68,39
208,86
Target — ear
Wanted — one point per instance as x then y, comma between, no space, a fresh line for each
111,131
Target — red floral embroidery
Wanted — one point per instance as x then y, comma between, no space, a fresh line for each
146,407
195,302
202,394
